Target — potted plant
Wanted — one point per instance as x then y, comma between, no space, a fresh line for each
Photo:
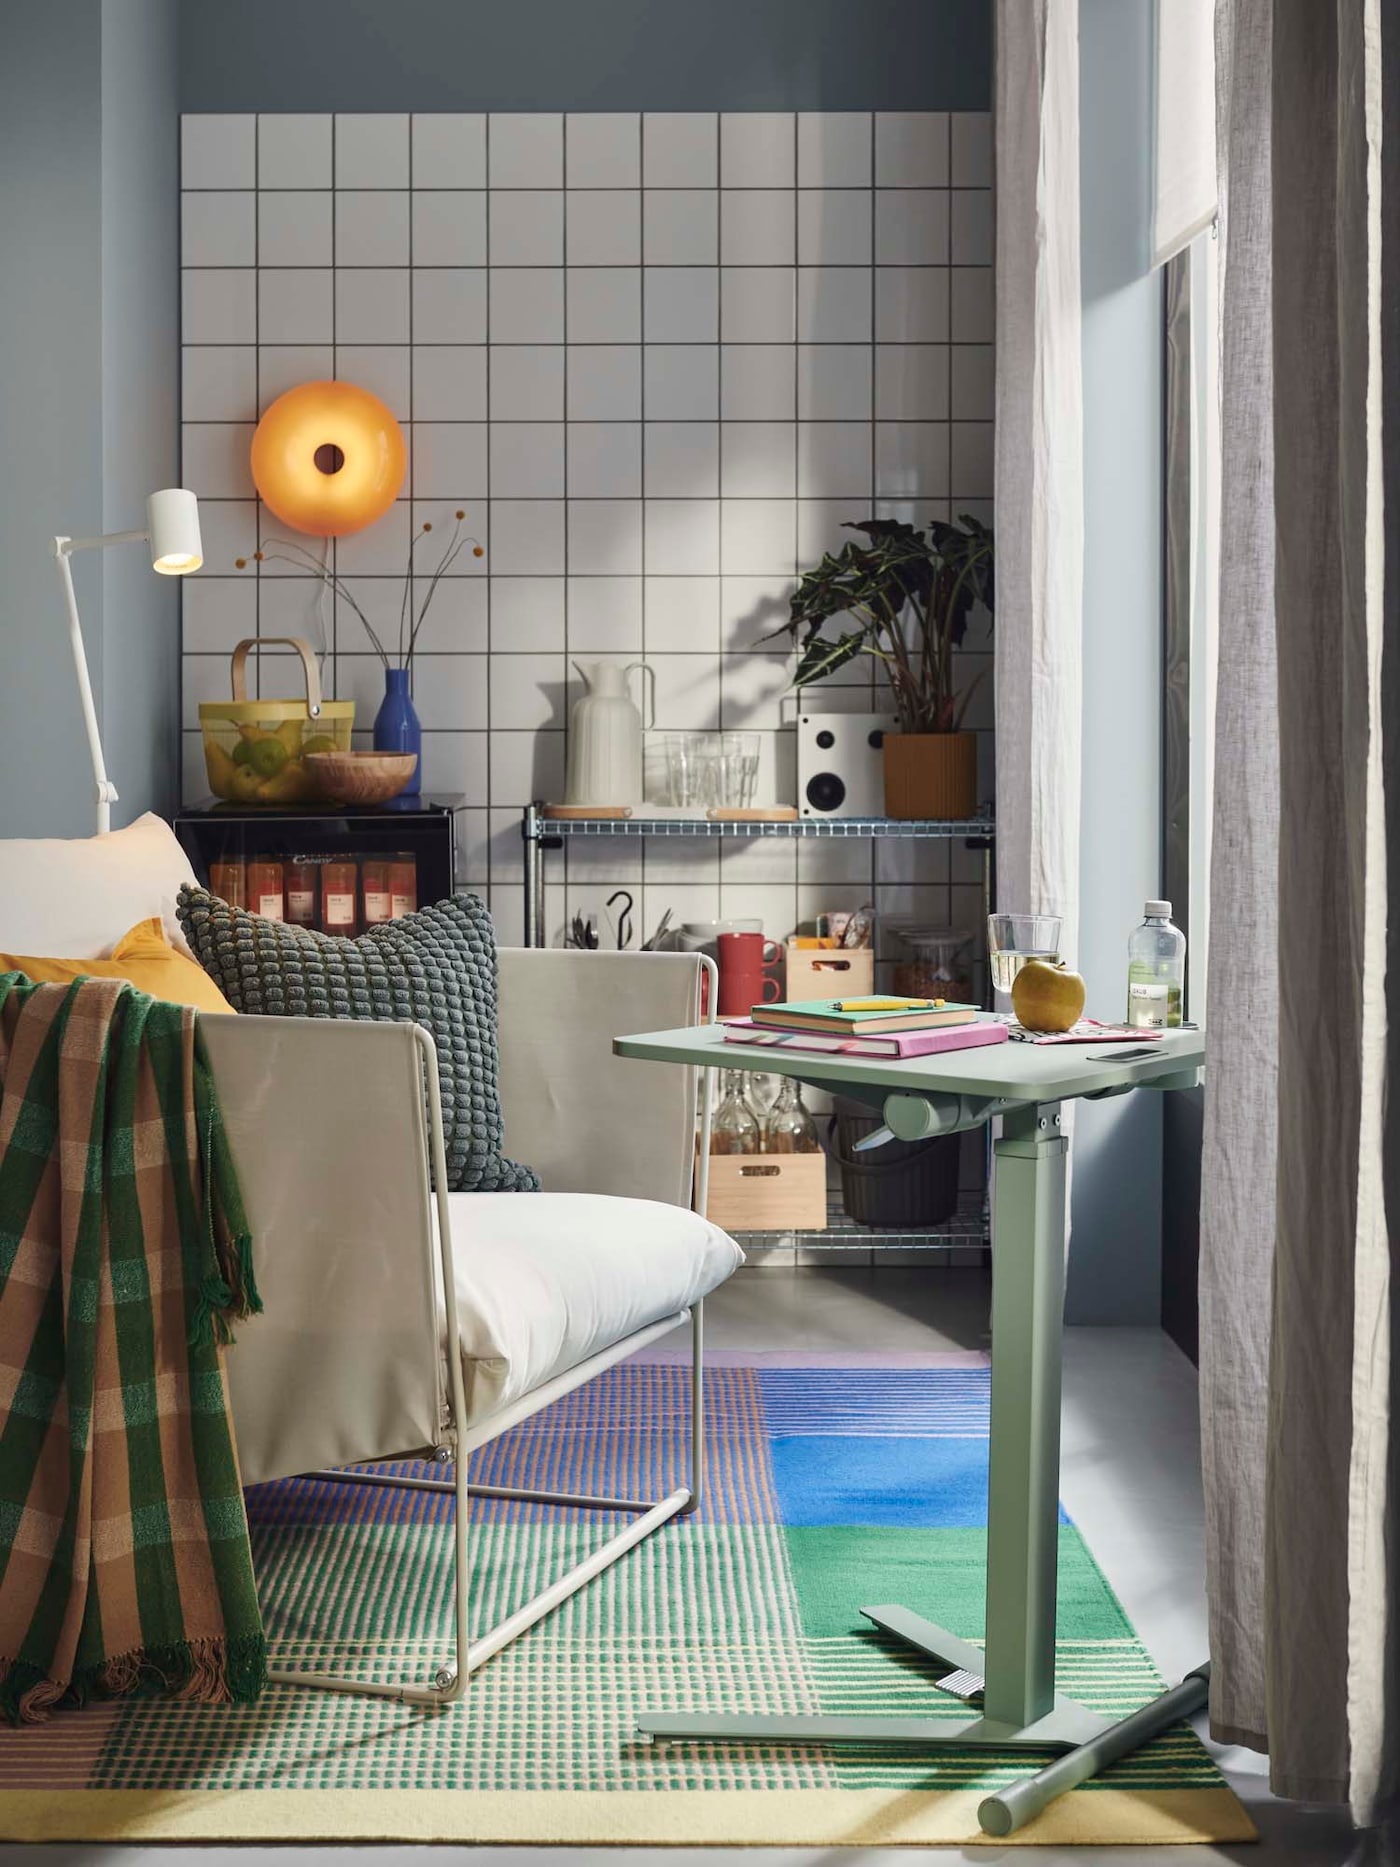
905,596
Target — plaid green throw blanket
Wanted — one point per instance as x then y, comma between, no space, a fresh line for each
124,1558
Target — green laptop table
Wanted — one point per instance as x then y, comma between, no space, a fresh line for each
1012,1683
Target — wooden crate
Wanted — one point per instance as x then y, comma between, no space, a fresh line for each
768,1192
829,972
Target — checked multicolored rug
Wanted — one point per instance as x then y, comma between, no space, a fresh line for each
859,1479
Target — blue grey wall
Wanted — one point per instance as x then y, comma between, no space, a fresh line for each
88,349
1115,1249
587,55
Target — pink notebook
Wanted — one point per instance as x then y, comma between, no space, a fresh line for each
893,1044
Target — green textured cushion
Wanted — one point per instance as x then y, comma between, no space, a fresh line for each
436,968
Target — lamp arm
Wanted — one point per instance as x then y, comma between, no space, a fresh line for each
106,790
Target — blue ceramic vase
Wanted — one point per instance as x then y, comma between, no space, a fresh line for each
396,726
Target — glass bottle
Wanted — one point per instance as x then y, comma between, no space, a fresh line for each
735,1128
265,896
338,902
790,1128
301,892
403,886
1156,970
377,900
228,879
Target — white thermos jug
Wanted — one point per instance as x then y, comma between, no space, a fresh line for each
605,736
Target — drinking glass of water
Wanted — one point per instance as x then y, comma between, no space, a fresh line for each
1012,939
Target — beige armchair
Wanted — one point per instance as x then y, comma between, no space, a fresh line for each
400,1320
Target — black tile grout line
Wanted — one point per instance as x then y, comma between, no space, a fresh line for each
618,188
627,265
490,538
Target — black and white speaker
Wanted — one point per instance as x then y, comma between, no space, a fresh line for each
841,764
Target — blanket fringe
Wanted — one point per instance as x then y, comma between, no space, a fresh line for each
199,1672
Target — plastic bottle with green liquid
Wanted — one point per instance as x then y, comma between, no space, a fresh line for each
1156,970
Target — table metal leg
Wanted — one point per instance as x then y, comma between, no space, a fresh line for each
1015,1675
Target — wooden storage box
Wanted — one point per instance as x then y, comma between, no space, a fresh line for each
768,1192
829,972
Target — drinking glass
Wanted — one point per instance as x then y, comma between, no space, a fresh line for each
738,761
1012,939
685,770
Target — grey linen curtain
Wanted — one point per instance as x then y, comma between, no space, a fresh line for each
1299,1357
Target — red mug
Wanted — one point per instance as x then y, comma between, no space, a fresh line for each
745,978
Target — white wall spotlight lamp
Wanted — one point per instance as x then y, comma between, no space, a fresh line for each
172,531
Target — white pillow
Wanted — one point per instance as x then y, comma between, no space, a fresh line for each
75,899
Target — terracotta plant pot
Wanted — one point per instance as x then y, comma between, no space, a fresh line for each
930,775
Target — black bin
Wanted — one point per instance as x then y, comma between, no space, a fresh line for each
901,1187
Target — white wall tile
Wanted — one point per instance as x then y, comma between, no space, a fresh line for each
527,382
680,226
449,382
682,614
456,621
758,459
970,468
293,606
833,149
473,838
219,307
911,459
527,615
758,537
605,537
911,148
604,226
753,687
443,515
219,383
605,382
687,692
449,460
682,381
834,227
973,388
229,530
758,227
526,227
371,305
284,366
381,549
449,151
757,149
603,149
682,537
527,537
833,382
763,859
214,459
456,763
371,151
605,615
449,692
911,304
757,382
217,152
973,317
751,608
972,165
527,692
216,229
911,382
526,150
604,304
821,523
605,459
294,228
680,149
217,612
682,459
758,304
527,459
371,227
449,227
295,307
834,459
911,227
973,233
833,304
381,600
682,304
294,151
449,306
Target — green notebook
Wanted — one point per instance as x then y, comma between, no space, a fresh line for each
867,1016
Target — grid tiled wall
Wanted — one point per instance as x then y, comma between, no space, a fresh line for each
659,359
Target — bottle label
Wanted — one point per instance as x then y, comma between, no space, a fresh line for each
1149,1005
340,910
402,904
377,906
270,907
301,905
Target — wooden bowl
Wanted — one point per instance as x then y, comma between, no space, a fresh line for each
360,777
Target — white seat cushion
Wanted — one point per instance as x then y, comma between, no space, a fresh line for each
544,1280
75,898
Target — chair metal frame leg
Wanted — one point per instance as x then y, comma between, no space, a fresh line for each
450,1683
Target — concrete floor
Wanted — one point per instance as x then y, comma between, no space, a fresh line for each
1130,1479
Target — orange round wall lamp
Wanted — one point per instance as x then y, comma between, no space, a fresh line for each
328,458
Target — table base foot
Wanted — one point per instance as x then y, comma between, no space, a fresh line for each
1066,1726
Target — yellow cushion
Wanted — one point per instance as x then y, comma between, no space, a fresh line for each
143,957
